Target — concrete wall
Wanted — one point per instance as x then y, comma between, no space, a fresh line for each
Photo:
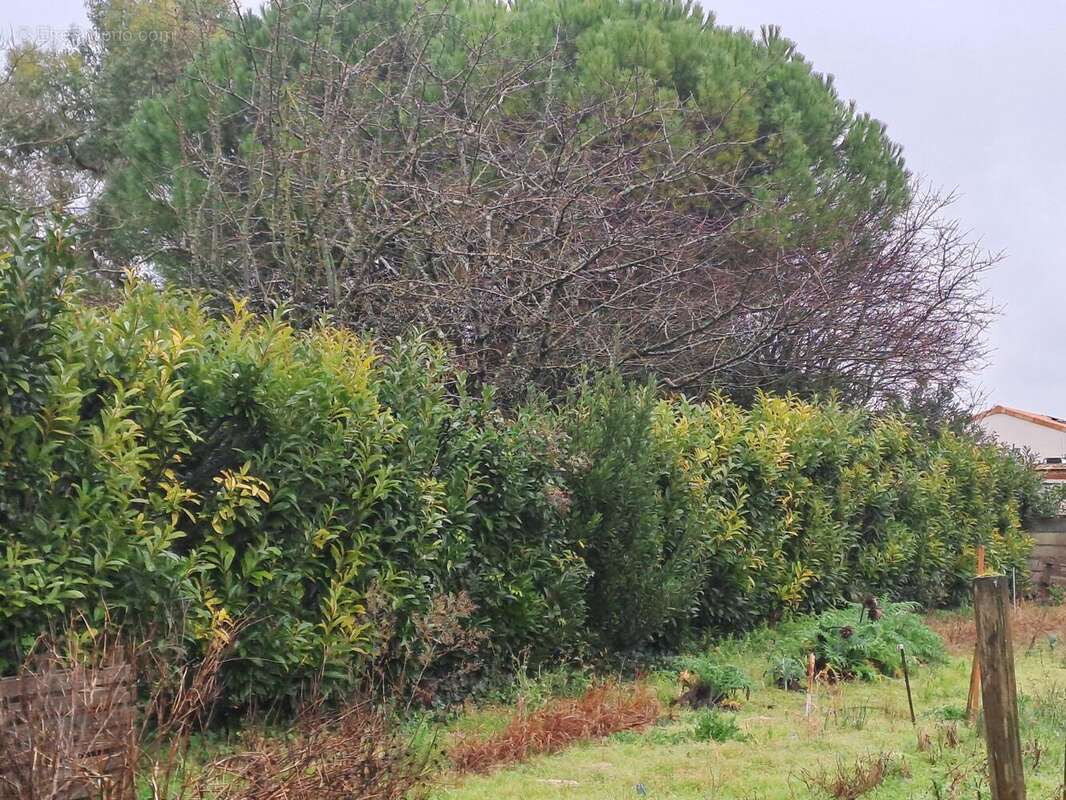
1042,441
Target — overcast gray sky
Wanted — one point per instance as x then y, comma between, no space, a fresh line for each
976,94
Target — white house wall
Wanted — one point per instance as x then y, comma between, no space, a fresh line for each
1042,441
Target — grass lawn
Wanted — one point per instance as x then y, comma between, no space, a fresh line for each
785,754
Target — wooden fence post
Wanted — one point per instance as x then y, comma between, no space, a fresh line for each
808,706
973,698
998,690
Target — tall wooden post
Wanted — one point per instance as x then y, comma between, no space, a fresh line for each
998,690
973,698
808,706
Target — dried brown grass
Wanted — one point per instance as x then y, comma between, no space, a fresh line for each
604,709
179,702
1029,623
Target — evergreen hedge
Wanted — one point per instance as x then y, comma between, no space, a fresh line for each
166,466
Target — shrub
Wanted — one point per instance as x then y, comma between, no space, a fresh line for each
810,504
173,469
845,648
630,517
710,683
167,465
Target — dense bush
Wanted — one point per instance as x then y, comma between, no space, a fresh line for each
160,466
846,648
631,516
709,515
348,501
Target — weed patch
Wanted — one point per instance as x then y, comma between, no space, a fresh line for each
950,713
1047,706
850,717
712,725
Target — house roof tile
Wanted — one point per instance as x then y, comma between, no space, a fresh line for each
1037,419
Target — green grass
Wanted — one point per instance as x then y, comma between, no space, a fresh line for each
780,750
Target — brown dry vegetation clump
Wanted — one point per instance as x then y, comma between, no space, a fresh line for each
604,709
354,754
848,782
